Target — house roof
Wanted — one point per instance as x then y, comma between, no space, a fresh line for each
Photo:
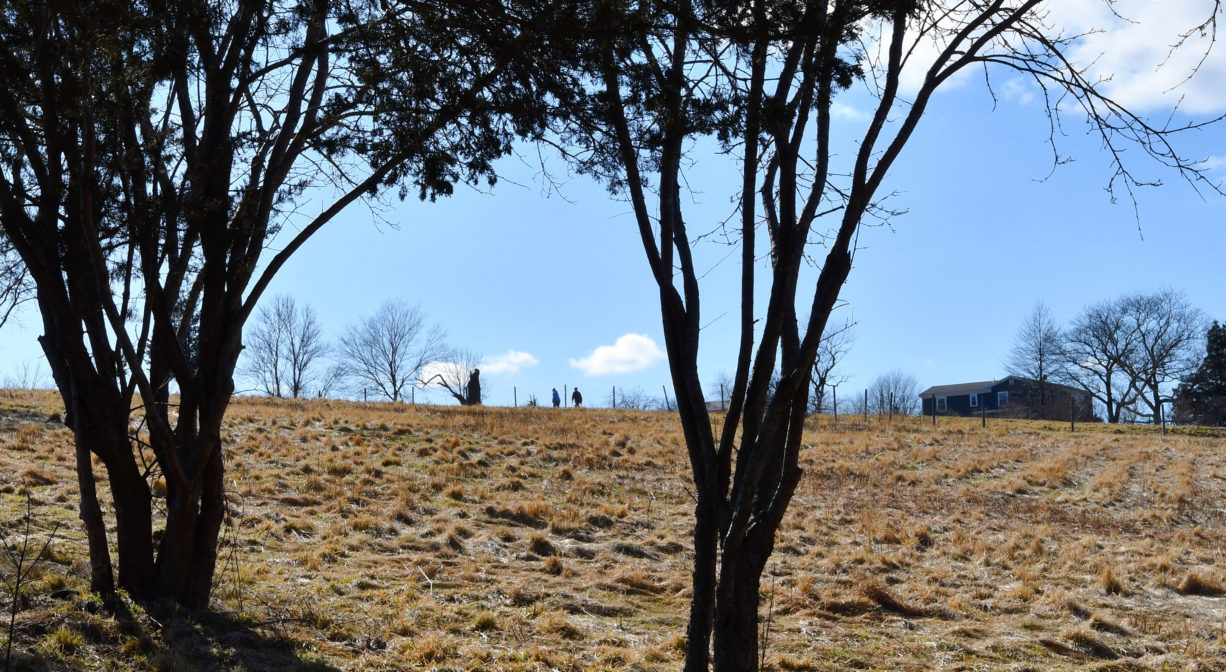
958,390
985,388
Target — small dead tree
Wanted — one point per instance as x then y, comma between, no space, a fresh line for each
284,349
387,351
458,374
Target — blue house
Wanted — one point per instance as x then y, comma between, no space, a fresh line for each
1012,397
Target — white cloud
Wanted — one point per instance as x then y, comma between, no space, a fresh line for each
1132,47
1136,54
841,110
632,352
510,361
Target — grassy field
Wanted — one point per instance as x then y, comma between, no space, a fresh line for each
370,537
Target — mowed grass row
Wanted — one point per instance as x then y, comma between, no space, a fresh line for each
377,536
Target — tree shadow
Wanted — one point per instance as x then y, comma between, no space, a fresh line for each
162,639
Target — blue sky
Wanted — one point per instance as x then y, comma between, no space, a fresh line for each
553,288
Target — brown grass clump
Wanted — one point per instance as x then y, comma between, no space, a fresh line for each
391,536
1201,583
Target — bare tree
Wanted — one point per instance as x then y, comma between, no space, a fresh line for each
894,393
284,349
1037,351
763,80
834,346
457,373
15,285
387,351
1097,347
1169,336
720,388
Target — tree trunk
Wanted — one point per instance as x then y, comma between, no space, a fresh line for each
187,555
702,604
736,611
133,528
101,577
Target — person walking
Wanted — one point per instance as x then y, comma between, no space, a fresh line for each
557,398
577,398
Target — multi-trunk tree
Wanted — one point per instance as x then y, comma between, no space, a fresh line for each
761,77
150,154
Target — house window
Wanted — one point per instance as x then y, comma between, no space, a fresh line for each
974,401
940,404
1002,399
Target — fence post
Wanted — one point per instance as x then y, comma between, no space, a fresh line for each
934,409
866,407
891,412
515,396
615,397
983,413
722,407
665,389
834,396
1072,414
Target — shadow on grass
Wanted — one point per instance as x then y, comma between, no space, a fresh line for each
165,640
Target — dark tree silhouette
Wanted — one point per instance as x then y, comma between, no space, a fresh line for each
153,151
761,77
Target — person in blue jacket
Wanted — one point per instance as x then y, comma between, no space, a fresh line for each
557,398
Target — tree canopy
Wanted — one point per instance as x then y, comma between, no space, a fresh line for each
1201,399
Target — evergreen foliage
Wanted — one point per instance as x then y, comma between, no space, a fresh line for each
1201,399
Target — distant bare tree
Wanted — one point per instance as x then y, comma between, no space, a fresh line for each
15,286
284,349
897,388
1036,352
830,352
387,351
457,373
720,388
1097,347
1169,334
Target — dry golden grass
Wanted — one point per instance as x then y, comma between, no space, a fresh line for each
372,537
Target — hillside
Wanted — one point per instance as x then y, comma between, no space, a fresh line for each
370,537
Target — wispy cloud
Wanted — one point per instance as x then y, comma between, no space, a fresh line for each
510,361
632,352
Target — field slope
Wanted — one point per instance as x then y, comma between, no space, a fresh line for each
373,536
